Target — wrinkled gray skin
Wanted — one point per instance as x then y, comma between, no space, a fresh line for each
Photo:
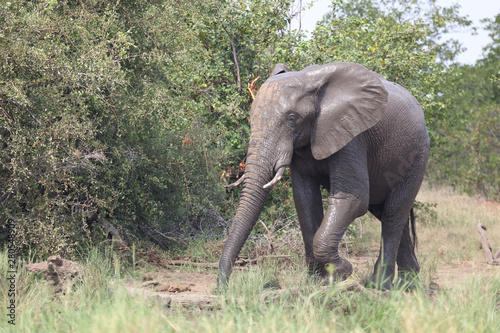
347,129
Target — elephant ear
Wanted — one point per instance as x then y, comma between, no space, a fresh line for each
351,99
279,69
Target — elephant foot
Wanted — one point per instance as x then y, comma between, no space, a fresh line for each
380,282
315,268
407,280
340,271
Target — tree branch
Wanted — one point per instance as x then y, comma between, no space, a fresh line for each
235,58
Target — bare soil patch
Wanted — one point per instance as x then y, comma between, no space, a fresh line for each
171,287
456,273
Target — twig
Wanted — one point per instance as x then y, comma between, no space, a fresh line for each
269,236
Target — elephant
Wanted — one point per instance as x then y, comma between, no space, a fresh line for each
349,130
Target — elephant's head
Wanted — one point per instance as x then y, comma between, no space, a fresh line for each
318,111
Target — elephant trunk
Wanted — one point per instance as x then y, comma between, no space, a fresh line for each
252,199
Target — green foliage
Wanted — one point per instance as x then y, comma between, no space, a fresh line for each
241,41
436,20
469,158
399,40
96,124
425,213
124,113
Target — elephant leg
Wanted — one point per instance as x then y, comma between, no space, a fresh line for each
349,197
392,230
308,202
396,240
408,267
381,279
343,208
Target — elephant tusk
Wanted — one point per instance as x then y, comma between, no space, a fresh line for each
236,183
276,178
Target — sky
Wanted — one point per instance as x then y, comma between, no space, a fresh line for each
475,9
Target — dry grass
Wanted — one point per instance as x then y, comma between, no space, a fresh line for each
450,247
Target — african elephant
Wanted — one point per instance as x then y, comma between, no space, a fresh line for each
349,130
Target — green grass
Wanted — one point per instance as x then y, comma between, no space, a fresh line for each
97,306
100,302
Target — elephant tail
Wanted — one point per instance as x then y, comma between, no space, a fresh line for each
413,228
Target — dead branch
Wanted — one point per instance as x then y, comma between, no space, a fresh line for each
153,238
173,239
190,263
490,259
153,234
243,262
215,265
251,87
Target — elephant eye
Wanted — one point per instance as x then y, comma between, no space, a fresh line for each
292,117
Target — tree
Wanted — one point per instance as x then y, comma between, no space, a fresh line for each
469,158
95,121
124,113
399,40
436,20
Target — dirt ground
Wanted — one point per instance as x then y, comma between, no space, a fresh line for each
171,287
197,289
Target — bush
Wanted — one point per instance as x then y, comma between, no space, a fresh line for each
94,126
